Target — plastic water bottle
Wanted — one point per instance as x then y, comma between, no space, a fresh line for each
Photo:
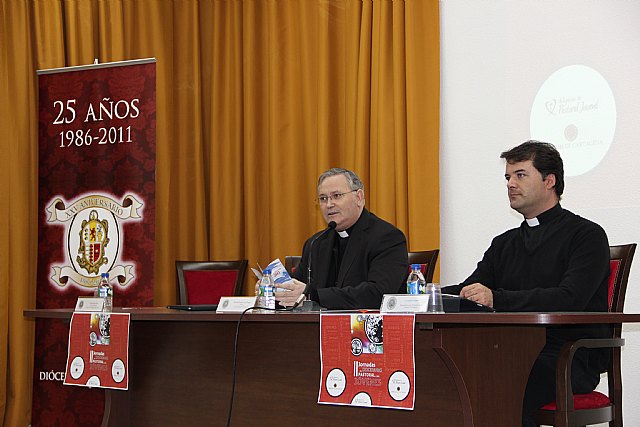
96,291
266,295
415,281
105,291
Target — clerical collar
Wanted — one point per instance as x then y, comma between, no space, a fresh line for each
532,222
544,216
345,233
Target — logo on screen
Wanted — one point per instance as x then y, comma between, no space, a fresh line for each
575,111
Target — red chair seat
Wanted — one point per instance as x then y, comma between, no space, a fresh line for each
200,289
592,400
204,282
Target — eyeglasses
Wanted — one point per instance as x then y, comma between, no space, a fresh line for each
335,197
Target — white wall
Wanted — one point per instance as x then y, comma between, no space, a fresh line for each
496,55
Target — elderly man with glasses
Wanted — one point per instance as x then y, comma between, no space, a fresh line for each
357,259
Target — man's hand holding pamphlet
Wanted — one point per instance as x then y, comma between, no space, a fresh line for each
279,274
289,292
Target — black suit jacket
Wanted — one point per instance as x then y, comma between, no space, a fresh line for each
374,263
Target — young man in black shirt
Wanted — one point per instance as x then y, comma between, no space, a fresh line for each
555,261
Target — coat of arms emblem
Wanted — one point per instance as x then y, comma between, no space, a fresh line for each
94,238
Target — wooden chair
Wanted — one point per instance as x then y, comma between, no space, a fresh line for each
427,259
291,262
204,282
594,407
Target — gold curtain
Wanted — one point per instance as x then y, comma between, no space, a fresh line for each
255,98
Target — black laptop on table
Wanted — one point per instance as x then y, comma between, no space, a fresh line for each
194,307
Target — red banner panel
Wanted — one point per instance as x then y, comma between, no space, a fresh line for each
367,360
98,354
96,206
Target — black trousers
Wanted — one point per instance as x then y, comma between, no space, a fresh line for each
541,387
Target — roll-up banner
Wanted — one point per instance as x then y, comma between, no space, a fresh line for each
96,212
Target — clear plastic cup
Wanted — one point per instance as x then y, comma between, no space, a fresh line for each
434,305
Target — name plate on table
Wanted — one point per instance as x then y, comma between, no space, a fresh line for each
404,303
235,304
89,304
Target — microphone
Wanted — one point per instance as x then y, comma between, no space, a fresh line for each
299,301
330,226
